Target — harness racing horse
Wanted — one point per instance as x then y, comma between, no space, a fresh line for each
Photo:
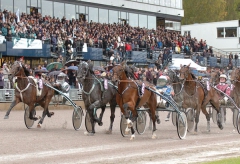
26,92
128,97
194,97
235,79
95,96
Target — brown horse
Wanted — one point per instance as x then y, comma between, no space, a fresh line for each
128,97
194,97
212,97
235,79
26,92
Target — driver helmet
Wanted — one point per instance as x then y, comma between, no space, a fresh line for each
61,78
162,81
224,76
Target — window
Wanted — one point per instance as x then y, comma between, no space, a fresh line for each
152,22
34,3
230,31
47,8
93,14
70,11
8,5
58,10
113,16
21,5
220,32
133,20
81,9
143,21
103,16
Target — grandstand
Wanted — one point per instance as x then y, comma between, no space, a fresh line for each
99,24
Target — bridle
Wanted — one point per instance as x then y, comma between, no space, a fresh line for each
118,74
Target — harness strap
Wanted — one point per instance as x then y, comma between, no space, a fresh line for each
21,91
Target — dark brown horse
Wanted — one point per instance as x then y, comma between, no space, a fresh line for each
26,92
128,97
194,97
95,96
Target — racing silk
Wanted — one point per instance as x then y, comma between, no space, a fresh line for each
167,90
40,83
224,88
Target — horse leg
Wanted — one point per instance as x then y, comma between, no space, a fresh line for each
154,118
216,106
207,116
168,116
31,110
94,106
112,117
41,120
100,123
150,121
13,104
133,119
197,118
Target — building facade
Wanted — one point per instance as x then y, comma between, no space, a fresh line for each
136,13
223,35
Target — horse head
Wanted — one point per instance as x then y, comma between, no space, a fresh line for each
184,72
84,68
18,69
119,72
214,79
173,76
235,75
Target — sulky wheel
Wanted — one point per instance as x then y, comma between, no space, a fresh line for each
77,118
174,118
214,115
235,116
28,122
88,124
238,123
182,125
141,122
190,119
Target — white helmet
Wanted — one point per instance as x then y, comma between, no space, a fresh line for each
61,78
224,76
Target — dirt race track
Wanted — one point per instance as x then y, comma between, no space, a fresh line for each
57,142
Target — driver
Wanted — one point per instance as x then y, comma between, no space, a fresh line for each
166,89
64,86
224,87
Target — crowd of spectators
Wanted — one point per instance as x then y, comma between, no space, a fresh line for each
67,35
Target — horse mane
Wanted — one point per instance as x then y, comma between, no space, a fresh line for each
193,76
26,71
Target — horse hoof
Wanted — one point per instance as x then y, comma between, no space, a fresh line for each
6,117
100,124
159,121
127,131
167,119
109,132
154,136
88,134
38,126
132,137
